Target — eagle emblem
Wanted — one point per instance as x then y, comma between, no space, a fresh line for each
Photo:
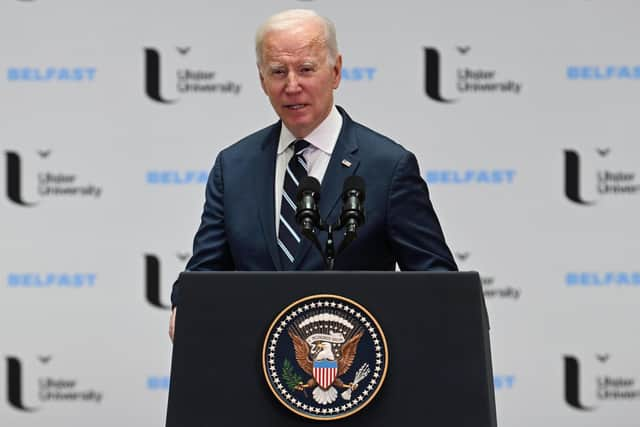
325,357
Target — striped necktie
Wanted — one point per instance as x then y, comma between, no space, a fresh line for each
289,236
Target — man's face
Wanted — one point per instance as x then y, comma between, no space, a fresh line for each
296,76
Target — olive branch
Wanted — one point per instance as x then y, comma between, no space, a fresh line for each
290,377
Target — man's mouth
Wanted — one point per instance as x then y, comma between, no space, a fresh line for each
295,106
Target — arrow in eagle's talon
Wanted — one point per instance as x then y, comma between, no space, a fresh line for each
302,388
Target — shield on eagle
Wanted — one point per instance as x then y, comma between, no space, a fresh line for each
325,372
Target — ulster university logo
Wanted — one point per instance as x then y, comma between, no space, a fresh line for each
325,357
51,390
469,79
185,81
603,384
601,181
49,183
491,287
153,287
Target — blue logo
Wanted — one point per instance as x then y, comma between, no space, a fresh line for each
51,74
51,280
158,383
603,72
602,279
175,177
504,382
357,74
471,176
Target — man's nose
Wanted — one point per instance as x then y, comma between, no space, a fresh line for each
292,83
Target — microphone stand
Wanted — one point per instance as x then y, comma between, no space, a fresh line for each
330,257
329,253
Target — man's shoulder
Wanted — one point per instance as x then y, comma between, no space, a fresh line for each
375,143
253,142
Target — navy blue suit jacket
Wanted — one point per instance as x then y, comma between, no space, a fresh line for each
237,230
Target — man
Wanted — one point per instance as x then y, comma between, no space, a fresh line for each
247,222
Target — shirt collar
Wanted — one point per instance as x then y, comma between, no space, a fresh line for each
323,137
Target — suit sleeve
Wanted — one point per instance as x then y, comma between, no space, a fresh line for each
414,230
210,246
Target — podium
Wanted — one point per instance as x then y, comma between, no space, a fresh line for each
437,335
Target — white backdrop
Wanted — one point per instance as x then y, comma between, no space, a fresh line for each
102,184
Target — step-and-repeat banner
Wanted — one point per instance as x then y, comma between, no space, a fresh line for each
523,115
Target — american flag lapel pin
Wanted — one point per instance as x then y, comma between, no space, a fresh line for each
346,163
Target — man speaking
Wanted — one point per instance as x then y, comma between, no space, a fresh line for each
248,222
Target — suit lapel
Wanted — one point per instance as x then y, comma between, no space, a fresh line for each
344,162
264,183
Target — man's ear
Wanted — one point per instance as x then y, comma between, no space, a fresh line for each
337,72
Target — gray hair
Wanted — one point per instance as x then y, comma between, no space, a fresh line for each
292,18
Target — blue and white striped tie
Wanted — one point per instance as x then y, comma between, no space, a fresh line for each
289,236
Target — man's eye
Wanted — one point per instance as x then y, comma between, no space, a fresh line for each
306,70
277,72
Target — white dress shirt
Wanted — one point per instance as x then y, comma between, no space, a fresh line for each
322,139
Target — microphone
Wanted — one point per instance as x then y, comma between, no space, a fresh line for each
307,215
352,215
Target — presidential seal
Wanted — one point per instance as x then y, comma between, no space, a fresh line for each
325,357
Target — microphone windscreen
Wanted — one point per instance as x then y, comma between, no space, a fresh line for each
309,184
354,183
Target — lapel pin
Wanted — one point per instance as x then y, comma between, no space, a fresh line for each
346,163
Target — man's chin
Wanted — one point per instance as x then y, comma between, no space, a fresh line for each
297,116
299,127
